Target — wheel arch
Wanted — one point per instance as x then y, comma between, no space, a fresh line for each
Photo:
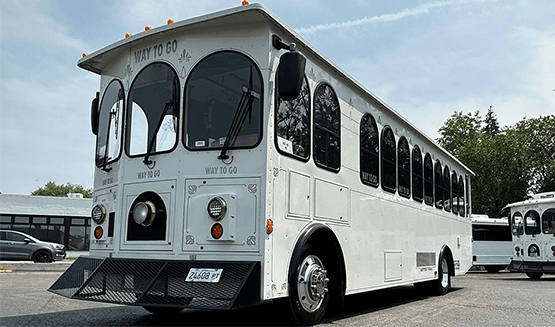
322,237
446,252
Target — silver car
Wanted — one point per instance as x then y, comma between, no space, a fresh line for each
16,245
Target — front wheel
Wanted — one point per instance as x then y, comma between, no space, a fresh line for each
42,256
441,284
308,293
534,275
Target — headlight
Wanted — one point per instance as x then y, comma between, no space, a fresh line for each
98,213
144,213
217,208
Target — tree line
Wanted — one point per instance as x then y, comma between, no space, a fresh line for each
510,162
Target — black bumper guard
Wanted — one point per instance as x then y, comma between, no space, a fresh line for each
547,267
159,283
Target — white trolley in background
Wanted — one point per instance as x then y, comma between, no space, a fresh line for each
533,228
233,167
492,243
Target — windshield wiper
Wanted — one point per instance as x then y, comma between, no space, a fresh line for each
243,108
167,107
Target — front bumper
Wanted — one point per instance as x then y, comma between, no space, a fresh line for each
159,283
547,267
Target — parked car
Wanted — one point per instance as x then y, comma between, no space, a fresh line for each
16,245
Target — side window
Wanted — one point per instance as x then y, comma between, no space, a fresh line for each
455,192
532,223
327,128
153,108
516,223
293,124
446,189
428,180
548,221
110,123
369,151
417,174
438,177
389,156
461,197
403,167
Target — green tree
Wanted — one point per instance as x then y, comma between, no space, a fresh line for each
509,162
53,189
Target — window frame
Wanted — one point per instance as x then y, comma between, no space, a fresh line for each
417,174
318,128
390,162
428,173
374,181
403,168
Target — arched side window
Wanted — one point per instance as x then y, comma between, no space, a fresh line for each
327,128
462,204
293,124
152,111
223,86
438,178
532,223
516,223
388,159
110,125
447,189
369,151
417,175
548,221
455,193
428,180
403,167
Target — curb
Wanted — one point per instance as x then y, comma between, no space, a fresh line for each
21,266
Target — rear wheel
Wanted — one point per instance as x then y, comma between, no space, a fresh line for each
162,310
534,275
441,284
42,256
308,294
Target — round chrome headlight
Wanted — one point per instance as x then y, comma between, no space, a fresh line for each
144,213
217,208
98,213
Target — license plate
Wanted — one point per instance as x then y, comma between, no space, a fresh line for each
204,275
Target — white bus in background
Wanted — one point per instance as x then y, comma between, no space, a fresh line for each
492,243
233,167
533,229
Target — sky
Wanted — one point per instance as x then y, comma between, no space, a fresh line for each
425,58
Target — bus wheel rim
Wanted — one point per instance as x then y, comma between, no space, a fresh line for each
312,283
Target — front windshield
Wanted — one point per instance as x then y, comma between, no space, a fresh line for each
214,92
109,126
153,110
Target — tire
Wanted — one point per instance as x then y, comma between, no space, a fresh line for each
440,285
534,275
308,292
42,256
163,310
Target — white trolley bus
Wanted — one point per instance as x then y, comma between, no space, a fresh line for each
533,229
233,167
492,243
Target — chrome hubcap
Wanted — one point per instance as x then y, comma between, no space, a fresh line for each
312,283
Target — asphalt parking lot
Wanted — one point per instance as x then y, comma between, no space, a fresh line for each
476,299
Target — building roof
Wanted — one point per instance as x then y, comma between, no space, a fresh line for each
16,204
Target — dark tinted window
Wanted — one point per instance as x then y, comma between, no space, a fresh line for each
461,197
369,151
327,128
532,223
438,178
403,167
219,86
428,180
446,189
491,233
455,192
417,174
389,165
293,124
548,221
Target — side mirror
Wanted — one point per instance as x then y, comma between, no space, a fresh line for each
27,240
290,71
94,114
290,75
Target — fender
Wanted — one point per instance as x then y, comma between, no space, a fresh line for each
316,233
446,252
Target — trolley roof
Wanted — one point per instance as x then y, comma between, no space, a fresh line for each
540,198
253,14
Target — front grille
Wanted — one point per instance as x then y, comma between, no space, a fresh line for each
159,283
